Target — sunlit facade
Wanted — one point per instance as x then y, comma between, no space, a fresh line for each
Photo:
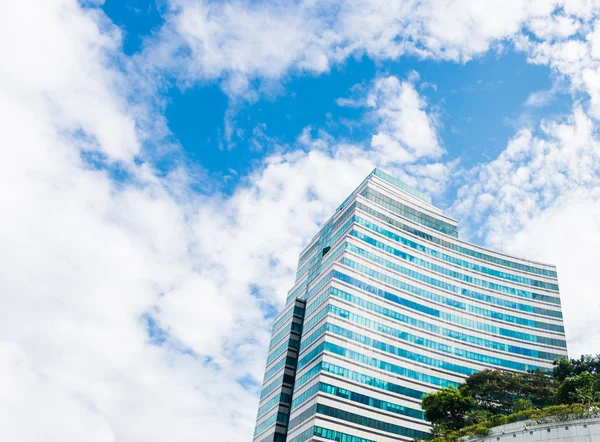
389,305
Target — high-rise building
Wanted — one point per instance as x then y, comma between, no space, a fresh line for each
389,305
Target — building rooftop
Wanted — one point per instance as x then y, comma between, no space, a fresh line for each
401,185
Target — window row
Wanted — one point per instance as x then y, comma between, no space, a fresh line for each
401,185
294,294
291,343
281,398
434,345
457,248
450,301
440,330
277,417
437,283
466,264
330,258
314,273
457,319
373,362
297,311
357,419
324,433
392,265
357,377
283,379
274,437
451,273
326,240
381,328
420,358
287,361
358,398
293,326
369,422
410,213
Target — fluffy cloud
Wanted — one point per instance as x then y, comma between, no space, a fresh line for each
130,299
541,198
243,41
405,131
90,261
405,139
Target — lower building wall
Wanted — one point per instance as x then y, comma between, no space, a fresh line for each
583,430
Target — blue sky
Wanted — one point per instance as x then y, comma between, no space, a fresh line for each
165,162
480,103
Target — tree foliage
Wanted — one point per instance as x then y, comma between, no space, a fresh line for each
521,405
554,413
563,368
495,397
447,408
576,389
475,417
497,391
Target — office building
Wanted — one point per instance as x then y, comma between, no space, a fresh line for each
388,305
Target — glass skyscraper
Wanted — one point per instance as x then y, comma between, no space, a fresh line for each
389,305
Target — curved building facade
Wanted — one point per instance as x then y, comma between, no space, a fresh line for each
388,305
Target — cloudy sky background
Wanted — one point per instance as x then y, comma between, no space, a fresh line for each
164,162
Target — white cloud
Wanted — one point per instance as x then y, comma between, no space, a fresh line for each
242,41
134,300
572,52
568,235
540,98
85,257
554,27
405,131
405,138
540,199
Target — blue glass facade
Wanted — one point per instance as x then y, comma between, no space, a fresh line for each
389,305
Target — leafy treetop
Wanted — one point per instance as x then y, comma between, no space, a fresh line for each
487,397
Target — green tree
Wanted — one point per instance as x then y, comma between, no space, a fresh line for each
497,390
564,368
521,405
474,417
446,409
576,389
